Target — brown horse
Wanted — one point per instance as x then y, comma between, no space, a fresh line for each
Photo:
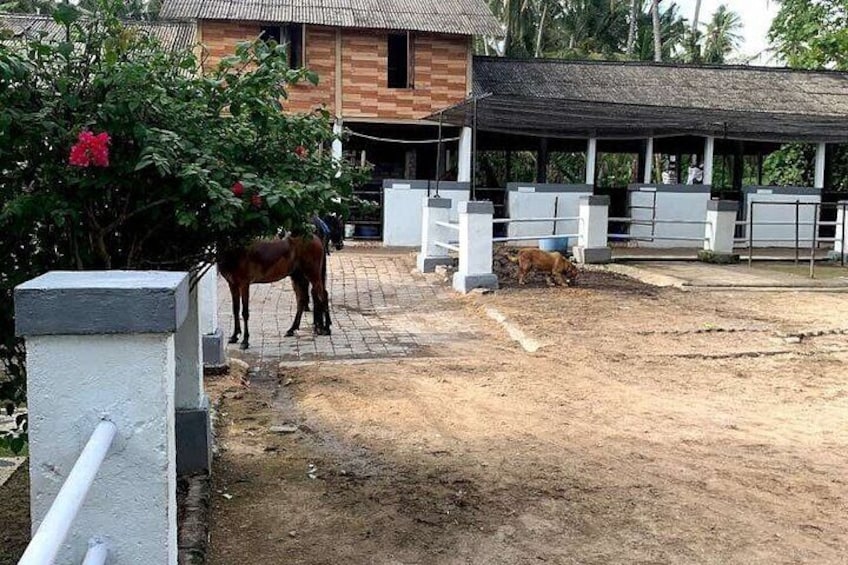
268,261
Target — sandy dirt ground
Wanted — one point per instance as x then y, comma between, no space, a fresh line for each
654,426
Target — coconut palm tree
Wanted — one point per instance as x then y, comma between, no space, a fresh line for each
635,10
723,35
655,17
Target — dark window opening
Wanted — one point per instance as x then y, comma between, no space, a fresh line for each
399,55
270,33
292,36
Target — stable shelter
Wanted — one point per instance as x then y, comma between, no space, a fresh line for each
710,117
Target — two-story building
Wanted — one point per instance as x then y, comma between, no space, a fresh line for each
384,65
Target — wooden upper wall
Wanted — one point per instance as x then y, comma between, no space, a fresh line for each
441,70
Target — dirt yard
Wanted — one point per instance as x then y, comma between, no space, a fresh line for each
654,426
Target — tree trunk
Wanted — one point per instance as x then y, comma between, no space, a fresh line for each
631,36
655,15
541,32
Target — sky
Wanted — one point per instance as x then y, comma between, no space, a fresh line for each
756,15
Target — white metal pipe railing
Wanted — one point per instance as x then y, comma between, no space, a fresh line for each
45,544
96,554
532,220
534,237
447,246
448,225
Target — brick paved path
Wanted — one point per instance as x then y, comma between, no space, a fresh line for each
380,308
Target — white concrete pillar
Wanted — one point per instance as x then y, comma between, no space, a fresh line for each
101,345
435,210
821,161
649,161
709,157
189,379
591,160
475,247
720,230
465,157
841,223
214,348
338,127
592,229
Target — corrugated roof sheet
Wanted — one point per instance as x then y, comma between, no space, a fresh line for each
172,35
579,99
464,17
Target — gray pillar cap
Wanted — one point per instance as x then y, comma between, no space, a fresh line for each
101,302
438,202
723,206
595,200
481,207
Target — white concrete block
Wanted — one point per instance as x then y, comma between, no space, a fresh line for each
669,203
402,208
775,205
189,357
721,226
532,200
75,381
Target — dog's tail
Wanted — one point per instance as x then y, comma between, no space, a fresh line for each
512,259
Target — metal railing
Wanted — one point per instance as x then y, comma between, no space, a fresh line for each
554,235
54,528
749,224
653,223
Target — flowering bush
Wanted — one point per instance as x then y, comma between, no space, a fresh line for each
116,153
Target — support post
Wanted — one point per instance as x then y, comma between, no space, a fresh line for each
709,157
720,230
591,160
434,210
192,419
464,166
542,162
839,246
649,161
214,347
592,230
338,127
475,247
821,162
101,345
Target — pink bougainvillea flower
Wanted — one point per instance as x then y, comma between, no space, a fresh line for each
90,150
301,151
256,200
238,189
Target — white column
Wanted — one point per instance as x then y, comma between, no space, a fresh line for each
214,349
435,210
720,230
189,383
101,345
464,166
841,220
592,229
821,160
709,156
649,161
591,160
475,247
337,143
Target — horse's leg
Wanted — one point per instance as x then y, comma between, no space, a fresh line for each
234,292
321,311
245,312
301,291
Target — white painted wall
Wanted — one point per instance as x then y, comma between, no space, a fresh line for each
189,357
74,382
208,301
530,200
841,220
465,156
402,208
673,202
783,235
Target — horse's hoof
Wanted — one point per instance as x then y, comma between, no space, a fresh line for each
307,309
234,339
290,333
245,345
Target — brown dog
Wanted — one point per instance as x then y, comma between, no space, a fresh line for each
553,263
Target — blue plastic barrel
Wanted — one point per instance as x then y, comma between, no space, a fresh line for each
554,244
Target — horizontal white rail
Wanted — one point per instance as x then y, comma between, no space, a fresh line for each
448,225
534,237
653,237
96,554
803,240
447,246
51,534
756,224
647,222
531,220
